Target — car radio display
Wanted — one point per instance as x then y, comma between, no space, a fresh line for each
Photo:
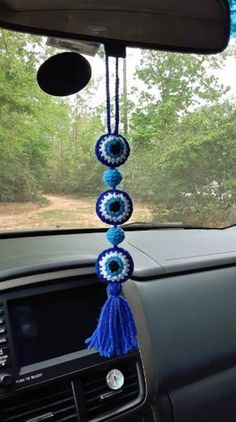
49,325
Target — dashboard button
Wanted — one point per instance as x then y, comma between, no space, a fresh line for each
2,321
4,357
3,340
1,311
4,351
2,330
6,380
4,361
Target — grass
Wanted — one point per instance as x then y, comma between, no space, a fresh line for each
57,214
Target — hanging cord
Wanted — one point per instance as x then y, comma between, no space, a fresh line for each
117,103
108,98
108,101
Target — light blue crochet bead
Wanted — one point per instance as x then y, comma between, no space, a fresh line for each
115,235
112,177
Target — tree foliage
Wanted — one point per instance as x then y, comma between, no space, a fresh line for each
183,132
45,142
29,119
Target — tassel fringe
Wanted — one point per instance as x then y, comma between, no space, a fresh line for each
116,332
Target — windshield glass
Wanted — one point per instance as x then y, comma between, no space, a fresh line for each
177,111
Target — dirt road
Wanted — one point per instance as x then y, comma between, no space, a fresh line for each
61,211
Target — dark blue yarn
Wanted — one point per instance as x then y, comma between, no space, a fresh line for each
117,105
116,332
108,102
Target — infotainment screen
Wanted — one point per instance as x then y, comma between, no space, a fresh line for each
57,323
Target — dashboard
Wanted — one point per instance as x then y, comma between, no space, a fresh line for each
182,293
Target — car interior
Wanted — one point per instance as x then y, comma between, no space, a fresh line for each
183,288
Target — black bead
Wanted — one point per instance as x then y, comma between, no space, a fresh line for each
114,266
115,206
116,148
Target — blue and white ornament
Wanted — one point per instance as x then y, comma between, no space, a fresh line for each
116,332
114,207
112,150
114,265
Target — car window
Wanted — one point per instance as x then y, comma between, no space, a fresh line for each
177,110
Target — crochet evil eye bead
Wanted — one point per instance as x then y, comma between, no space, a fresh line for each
114,207
112,177
115,235
112,150
114,265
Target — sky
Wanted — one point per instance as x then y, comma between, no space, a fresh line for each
227,75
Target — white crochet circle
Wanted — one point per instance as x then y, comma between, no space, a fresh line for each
113,160
116,278
115,219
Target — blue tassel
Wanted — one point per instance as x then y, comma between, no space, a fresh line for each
116,332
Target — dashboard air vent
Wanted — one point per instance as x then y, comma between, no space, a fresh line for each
54,403
100,400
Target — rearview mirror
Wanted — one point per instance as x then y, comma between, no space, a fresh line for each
200,26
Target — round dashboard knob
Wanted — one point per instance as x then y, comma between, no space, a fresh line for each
6,380
115,379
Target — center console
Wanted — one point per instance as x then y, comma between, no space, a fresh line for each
46,372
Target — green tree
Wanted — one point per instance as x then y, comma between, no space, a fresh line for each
73,167
199,182
180,122
29,119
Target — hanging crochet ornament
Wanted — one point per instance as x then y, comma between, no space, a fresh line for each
115,334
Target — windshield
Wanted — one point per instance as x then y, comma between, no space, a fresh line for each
177,110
